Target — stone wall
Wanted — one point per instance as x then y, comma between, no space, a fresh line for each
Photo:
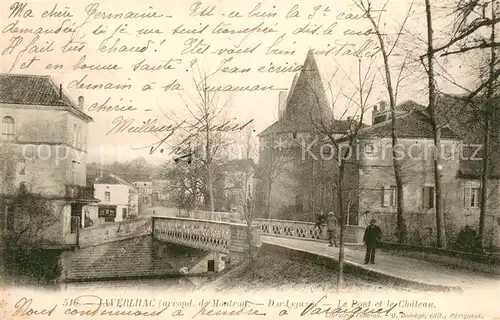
375,174
140,257
106,233
47,151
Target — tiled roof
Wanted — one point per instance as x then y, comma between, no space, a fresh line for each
36,90
108,180
415,124
307,95
284,126
410,105
463,118
466,119
306,100
113,179
471,169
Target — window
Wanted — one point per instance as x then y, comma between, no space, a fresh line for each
73,143
75,172
8,129
78,137
369,148
428,197
124,213
211,265
472,197
107,196
389,198
9,213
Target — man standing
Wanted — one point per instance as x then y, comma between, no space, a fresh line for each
320,220
371,238
331,226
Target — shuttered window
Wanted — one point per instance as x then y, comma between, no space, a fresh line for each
428,197
389,198
472,197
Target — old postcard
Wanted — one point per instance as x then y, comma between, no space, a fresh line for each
185,159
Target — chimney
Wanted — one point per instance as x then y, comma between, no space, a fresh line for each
60,91
282,104
378,113
81,102
383,104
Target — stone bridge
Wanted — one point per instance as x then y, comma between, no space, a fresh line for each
166,245
217,232
228,238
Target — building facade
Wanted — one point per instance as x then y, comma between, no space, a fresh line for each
372,174
145,189
44,150
292,185
297,176
236,184
119,199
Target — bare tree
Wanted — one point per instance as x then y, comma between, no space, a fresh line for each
187,183
205,129
248,189
488,112
272,164
386,50
468,35
436,128
325,127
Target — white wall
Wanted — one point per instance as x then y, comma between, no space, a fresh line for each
118,194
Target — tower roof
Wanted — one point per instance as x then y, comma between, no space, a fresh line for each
307,97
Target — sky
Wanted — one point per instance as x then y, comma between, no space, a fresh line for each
181,38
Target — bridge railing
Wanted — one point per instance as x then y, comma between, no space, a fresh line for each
283,228
196,233
306,230
290,228
224,237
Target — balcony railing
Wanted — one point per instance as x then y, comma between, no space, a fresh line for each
79,192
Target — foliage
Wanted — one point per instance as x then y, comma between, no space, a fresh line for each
21,254
33,215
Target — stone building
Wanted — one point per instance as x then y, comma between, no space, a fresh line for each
299,183
145,189
44,151
234,185
372,175
119,199
291,185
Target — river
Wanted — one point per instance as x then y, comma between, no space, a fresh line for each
168,284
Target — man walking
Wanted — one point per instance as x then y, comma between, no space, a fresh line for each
371,238
331,226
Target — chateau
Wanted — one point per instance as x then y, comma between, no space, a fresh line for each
301,185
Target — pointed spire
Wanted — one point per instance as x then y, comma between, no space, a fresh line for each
307,95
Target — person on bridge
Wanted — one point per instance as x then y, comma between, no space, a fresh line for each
331,226
371,238
320,220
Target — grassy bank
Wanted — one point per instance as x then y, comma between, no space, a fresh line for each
281,273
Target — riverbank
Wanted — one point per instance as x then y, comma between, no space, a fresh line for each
281,273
